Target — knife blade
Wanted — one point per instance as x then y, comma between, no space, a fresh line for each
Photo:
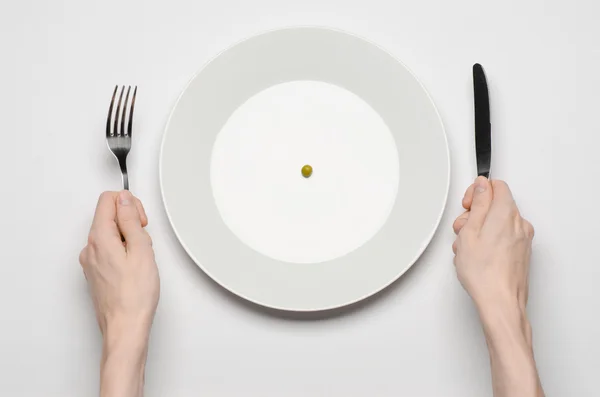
483,127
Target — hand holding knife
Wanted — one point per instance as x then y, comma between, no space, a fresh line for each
492,234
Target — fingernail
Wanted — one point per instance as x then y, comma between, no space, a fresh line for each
125,197
481,185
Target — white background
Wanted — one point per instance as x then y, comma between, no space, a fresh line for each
420,337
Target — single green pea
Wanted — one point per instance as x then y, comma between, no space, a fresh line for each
306,171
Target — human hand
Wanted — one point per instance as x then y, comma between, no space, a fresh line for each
124,285
122,276
493,246
492,251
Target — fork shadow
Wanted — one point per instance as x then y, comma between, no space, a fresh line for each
322,315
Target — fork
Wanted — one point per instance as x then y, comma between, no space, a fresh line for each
118,138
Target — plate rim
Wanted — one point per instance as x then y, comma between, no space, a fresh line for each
325,308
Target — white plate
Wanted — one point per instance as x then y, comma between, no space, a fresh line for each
193,164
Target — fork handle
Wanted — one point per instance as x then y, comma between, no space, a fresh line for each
123,165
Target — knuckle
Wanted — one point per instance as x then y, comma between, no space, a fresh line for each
92,238
106,195
499,183
139,203
148,239
529,229
87,257
456,225
501,189
83,257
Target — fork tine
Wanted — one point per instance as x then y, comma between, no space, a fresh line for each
110,109
123,132
117,132
129,124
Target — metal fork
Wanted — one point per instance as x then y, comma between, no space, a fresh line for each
117,137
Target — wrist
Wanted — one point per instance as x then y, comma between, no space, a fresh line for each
505,320
126,336
125,348
508,337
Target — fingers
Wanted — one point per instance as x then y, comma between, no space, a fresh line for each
503,206
482,200
104,217
106,210
468,197
502,193
129,221
460,222
142,211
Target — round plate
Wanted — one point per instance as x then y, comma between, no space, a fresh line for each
304,55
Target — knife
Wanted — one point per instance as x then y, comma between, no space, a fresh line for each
483,127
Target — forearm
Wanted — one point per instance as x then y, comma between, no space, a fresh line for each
123,361
508,337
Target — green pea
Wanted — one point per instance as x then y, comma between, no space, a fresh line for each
307,171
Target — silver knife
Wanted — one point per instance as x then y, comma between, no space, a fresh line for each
483,127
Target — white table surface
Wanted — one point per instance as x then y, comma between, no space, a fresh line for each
420,337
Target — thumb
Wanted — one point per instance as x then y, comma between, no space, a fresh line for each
482,200
129,220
